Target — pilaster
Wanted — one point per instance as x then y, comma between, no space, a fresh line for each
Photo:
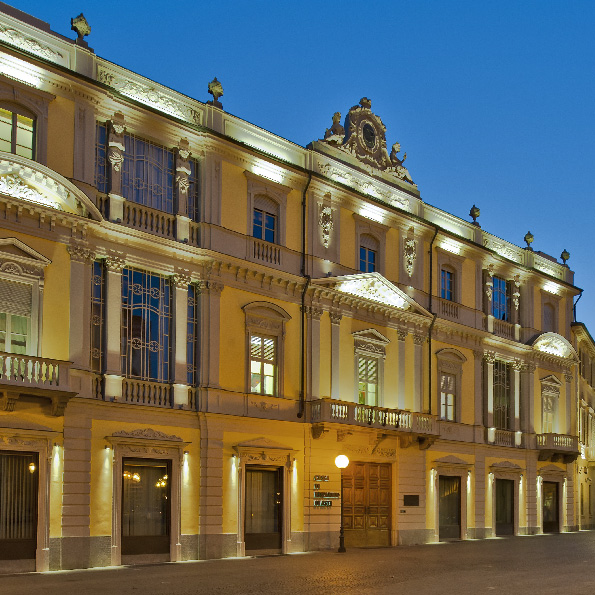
335,354
209,332
402,345
179,340
113,324
418,372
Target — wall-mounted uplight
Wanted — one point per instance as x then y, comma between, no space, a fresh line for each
551,287
270,172
32,467
372,212
450,246
19,70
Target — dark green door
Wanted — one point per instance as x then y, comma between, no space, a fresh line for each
264,506
504,507
449,507
551,522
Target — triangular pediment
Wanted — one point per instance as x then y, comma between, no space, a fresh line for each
14,249
551,379
371,335
451,460
506,465
373,287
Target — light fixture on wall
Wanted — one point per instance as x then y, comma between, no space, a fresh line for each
32,467
342,462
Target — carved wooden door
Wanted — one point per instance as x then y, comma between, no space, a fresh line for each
367,504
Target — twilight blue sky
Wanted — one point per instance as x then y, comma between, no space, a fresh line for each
494,102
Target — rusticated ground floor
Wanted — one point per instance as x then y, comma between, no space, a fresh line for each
110,484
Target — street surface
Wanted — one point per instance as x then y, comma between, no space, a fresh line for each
547,564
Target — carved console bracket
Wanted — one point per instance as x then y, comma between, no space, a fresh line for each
318,430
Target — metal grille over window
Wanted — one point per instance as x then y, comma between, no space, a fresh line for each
17,133
146,321
501,299
447,396
192,335
100,158
263,364
368,380
502,395
15,316
97,316
148,174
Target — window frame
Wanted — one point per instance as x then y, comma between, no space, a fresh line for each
369,344
265,319
498,283
375,230
450,361
271,193
15,110
262,361
509,395
550,392
34,101
366,251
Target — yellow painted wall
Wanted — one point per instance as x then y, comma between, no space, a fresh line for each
468,285
293,221
234,194
347,361
102,474
391,369
347,256
60,150
232,373
391,255
56,307
325,356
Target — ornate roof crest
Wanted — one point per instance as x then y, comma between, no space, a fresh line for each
364,137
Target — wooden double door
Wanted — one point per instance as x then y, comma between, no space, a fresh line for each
367,504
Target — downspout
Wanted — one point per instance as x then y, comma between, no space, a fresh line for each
307,284
574,305
431,324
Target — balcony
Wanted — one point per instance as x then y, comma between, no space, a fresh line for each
29,375
508,438
557,447
410,424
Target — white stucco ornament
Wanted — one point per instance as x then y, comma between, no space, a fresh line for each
372,287
554,344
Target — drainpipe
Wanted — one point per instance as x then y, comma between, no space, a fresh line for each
574,305
431,324
303,325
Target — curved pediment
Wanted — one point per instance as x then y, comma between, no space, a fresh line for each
32,182
554,344
374,287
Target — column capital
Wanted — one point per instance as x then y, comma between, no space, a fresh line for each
402,334
80,253
336,316
181,279
114,264
489,357
419,339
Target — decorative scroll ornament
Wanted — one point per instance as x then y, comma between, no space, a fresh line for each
489,283
12,185
409,255
148,434
116,159
325,221
183,183
516,294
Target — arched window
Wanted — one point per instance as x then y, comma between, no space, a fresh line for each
17,130
368,253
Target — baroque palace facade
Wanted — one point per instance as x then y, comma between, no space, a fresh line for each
197,316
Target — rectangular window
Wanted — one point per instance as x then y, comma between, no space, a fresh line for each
447,285
146,321
193,191
148,174
367,260
192,335
264,225
97,316
17,133
263,364
15,317
502,396
18,505
447,396
501,299
100,158
367,380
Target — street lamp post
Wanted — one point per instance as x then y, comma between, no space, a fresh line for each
342,462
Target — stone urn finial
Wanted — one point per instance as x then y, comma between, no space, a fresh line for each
216,90
81,26
565,256
474,214
529,239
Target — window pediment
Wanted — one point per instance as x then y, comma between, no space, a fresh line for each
16,258
554,344
374,287
32,182
370,342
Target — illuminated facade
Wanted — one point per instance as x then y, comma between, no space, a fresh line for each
197,316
